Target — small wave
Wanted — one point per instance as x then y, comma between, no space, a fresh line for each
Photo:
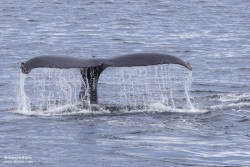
63,110
234,97
107,109
239,102
159,107
244,69
232,106
244,120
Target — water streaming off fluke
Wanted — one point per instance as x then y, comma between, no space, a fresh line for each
127,88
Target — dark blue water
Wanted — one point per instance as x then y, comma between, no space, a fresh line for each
213,36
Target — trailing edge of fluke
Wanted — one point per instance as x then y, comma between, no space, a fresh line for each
91,68
66,62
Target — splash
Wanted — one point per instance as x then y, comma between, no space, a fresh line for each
153,84
132,89
47,89
23,99
187,86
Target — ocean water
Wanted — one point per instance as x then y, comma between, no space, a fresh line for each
148,116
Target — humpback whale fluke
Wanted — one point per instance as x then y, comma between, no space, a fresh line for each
91,68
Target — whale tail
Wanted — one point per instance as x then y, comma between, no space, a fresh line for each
92,68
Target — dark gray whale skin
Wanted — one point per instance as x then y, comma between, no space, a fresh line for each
92,68
65,62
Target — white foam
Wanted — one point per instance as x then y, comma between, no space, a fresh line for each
222,106
234,101
67,109
159,107
234,97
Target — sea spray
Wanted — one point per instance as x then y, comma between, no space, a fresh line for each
130,88
23,99
171,86
47,89
187,86
140,86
